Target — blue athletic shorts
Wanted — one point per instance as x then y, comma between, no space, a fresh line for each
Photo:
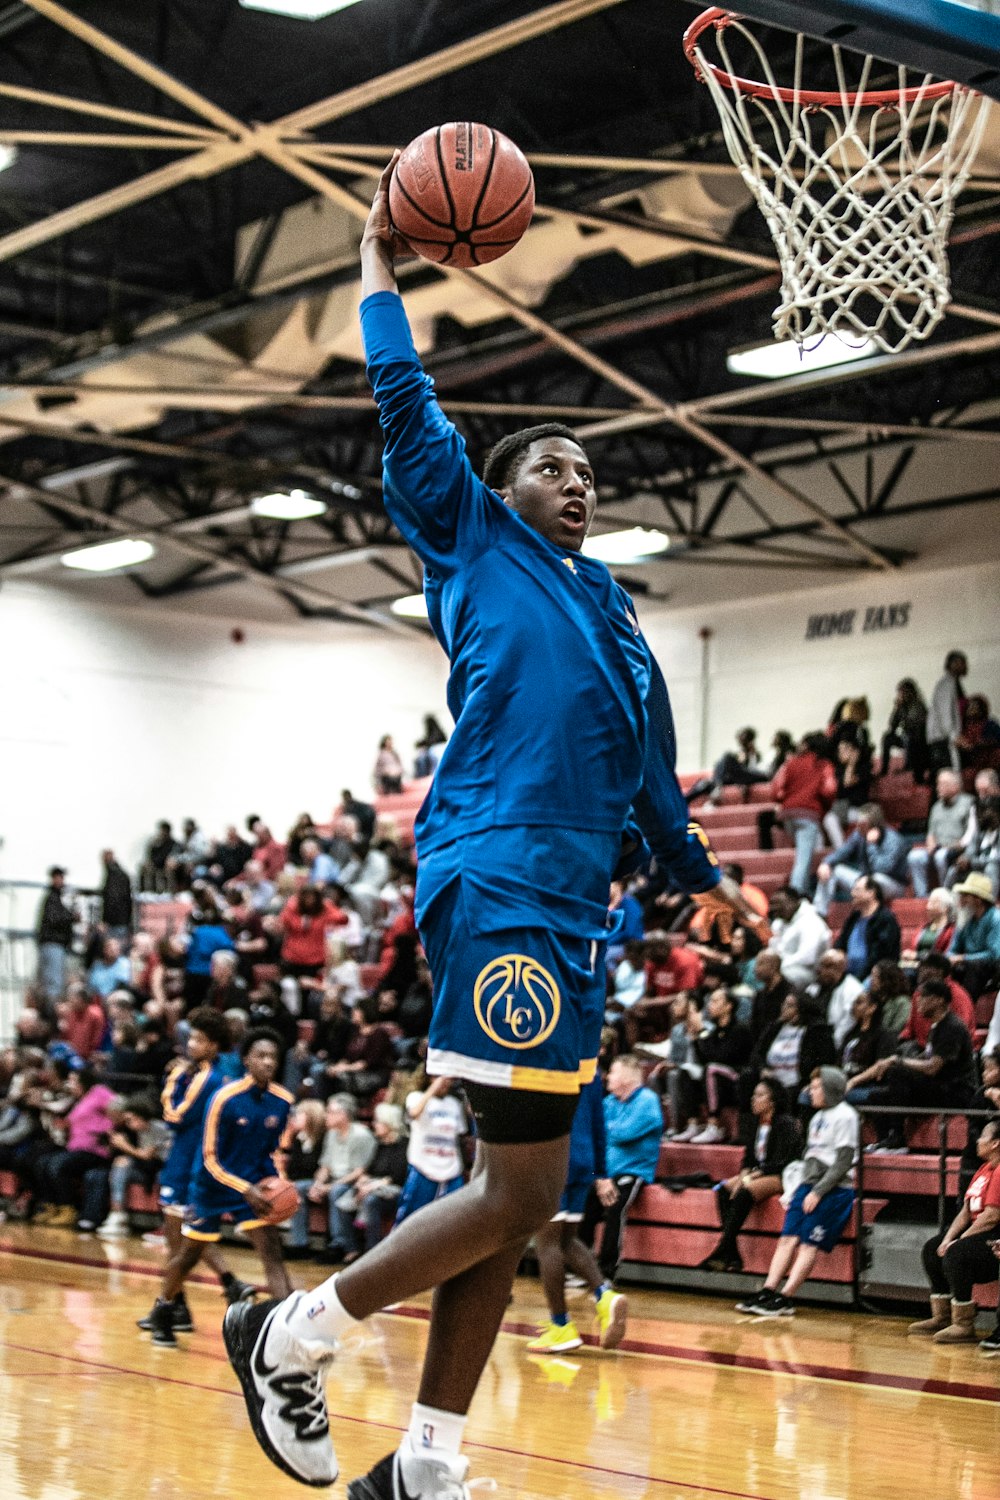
516,1007
574,1199
205,1214
175,1176
419,1190
825,1225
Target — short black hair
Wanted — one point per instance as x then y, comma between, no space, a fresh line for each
260,1034
872,886
777,1091
936,987
210,1024
935,963
505,458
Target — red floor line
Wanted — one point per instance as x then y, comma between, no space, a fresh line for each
569,1463
959,1390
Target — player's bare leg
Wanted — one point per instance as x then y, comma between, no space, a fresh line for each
267,1242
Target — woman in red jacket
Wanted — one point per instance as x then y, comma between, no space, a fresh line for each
805,788
305,922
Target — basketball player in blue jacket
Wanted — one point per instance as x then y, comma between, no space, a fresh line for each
563,734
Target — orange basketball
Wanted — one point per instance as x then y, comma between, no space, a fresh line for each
461,194
283,1197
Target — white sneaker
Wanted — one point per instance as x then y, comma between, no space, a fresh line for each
283,1380
689,1132
712,1135
115,1227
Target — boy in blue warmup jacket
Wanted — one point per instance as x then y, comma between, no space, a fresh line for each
563,742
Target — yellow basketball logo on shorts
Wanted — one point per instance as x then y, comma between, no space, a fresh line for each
517,1001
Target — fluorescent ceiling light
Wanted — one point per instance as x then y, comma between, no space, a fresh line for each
411,607
774,360
295,506
302,10
109,557
626,546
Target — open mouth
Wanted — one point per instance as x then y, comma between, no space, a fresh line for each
574,515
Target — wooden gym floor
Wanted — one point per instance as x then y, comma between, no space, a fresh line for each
699,1404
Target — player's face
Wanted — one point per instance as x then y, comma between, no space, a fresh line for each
553,491
262,1062
199,1047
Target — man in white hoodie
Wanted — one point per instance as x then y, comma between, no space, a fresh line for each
799,935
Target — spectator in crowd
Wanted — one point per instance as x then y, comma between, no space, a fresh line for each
770,997
960,1258
86,1129
365,875
890,990
792,1047
369,1056
947,827
942,1077
981,851
633,1124
54,932
986,1100
723,1048
429,747
710,932
979,730
771,1141
302,1163
347,1153
939,927
739,767
669,969
362,813
871,848
852,761
975,945
679,1066
944,717
799,935
938,966
305,921
833,992
438,1120
333,1032
226,986
116,899
413,1015
194,849
207,936
258,891
804,789
270,853
140,1146
743,950
229,856
363,1213
302,828
822,1202
162,848
629,981
871,930
387,775
82,1021
321,870
867,1042
907,730
110,970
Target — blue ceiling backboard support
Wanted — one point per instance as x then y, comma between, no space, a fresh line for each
948,39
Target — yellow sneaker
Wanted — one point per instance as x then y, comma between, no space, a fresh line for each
556,1338
612,1312
64,1217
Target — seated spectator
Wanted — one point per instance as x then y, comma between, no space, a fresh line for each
771,996
82,1021
987,1098
321,870
852,761
723,1047
24,1139
739,767
438,1120
387,773
229,857
771,1142
364,1212
947,826
301,1165
743,950
871,931
792,1048
907,730
799,935
347,1152
110,970
979,730
833,992
981,854
362,814
633,1123
140,1146
230,1063
936,934
938,966
365,875
871,849
944,717
679,1066
629,981
194,849
975,945
942,1077
369,1056
206,937
867,1042
822,1202
413,1014
258,891
86,1128
710,932
890,989
303,828
429,747
226,985
669,969
305,922
804,789
270,853
268,1008
960,1259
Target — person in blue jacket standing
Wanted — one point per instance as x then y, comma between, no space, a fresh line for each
563,741
558,1247
633,1124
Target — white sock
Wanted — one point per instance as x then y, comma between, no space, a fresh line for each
432,1430
320,1314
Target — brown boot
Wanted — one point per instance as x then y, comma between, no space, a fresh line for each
962,1329
940,1317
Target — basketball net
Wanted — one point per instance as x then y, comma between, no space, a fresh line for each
857,186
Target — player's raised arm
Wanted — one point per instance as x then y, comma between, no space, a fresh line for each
430,490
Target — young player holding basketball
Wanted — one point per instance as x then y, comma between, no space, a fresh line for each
245,1124
563,725
558,1246
188,1090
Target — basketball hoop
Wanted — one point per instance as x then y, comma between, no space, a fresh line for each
857,184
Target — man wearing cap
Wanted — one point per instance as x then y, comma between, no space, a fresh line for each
975,948
55,936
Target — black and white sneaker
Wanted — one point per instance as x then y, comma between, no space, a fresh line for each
238,1291
773,1305
423,1479
283,1381
753,1300
181,1315
990,1345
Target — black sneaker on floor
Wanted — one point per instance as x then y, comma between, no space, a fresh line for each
753,1300
438,1481
991,1343
773,1305
181,1319
161,1326
238,1291
378,1484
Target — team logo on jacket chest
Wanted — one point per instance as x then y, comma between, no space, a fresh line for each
517,1001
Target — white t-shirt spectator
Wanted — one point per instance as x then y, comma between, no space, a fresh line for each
829,1130
434,1136
800,943
630,984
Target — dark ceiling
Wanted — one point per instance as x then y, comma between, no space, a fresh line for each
798,476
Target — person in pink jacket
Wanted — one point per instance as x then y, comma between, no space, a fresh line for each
88,1126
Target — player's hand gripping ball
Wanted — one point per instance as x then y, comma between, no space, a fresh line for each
461,194
282,1197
